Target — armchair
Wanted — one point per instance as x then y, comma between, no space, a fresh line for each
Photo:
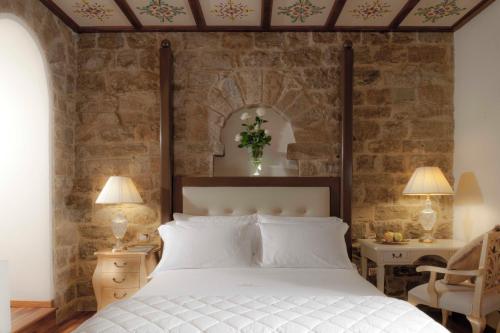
473,299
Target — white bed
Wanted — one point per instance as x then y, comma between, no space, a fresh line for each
260,300
255,299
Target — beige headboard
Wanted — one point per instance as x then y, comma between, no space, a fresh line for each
285,201
286,196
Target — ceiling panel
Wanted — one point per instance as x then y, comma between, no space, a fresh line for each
301,12
162,12
369,13
94,13
232,13
438,13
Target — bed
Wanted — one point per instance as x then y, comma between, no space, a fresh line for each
256,299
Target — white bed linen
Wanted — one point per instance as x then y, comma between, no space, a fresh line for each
260,300
259,281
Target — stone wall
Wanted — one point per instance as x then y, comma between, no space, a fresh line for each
403,117
59,45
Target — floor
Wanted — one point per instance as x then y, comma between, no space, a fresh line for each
72,324
456,324
28,319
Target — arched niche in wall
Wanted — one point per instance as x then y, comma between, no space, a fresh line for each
25,170
235,161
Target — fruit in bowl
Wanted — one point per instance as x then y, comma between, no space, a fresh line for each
390,237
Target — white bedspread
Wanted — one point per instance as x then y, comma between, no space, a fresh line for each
260,300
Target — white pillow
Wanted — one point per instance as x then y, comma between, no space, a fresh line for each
204,246
251,220
296,219
304,245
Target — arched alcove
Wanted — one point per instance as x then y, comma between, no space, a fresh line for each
25,170
235,161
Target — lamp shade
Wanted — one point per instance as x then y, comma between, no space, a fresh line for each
428,181
119,190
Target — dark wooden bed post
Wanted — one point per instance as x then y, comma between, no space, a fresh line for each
166,130
347,138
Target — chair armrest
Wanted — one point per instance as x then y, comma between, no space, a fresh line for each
442,270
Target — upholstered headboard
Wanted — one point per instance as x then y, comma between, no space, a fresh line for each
286,196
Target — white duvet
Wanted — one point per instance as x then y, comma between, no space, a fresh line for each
260,300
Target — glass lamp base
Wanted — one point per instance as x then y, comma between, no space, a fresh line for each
427,219
118,246
119,227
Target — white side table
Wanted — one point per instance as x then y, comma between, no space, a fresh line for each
400,255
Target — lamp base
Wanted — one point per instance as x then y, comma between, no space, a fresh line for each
119,227
119,247
426,239
427,219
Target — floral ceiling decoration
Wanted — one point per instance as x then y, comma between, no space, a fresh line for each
231,10
265,15
162,10
440,10
301,10
93,10
441,14
371,9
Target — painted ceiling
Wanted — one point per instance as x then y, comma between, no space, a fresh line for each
265,15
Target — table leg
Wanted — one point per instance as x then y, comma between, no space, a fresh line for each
380,277
364,267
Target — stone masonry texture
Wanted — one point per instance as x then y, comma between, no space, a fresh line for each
58,44
108,122
403,117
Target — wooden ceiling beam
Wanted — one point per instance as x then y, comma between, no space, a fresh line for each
403,13
61,14
267,13
197,14
334,14
129,13
472,13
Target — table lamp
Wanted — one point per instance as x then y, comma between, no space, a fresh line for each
428,181
119,190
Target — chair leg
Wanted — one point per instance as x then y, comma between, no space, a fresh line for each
445,314
478,324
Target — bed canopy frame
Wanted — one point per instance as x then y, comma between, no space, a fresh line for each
171,186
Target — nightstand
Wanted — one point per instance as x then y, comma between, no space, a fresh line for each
400,255
119,275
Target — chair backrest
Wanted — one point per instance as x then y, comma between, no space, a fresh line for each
490,260
489,263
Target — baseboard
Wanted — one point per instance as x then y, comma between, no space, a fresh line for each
31,304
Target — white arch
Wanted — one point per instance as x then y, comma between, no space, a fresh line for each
25,163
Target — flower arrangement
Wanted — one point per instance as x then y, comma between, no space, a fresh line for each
254,138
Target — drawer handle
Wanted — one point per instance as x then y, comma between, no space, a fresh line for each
398,256
119,297
121,281
120,266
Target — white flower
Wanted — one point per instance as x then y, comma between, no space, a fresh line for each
245,116
261,112
237,138
266,132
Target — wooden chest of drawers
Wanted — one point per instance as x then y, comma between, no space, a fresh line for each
119,275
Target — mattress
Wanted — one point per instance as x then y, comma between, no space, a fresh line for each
260,300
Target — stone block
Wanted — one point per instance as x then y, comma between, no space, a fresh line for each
269,40
110,41
238,40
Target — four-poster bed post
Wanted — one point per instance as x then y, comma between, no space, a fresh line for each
167,144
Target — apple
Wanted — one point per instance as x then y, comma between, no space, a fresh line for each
389,236
398,237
